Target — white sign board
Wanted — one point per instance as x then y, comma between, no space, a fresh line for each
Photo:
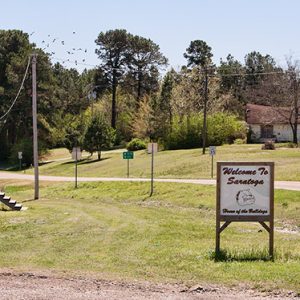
78,151
20,155
245,190
212,150
155,147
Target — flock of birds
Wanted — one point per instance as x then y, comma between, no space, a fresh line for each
48,44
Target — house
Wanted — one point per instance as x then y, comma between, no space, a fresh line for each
267,122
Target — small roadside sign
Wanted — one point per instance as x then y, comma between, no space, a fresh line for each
152,147
212,150
128,155
76,153
20,155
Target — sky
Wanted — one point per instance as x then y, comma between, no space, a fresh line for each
228,26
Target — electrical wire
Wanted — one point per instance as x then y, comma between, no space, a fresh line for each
22,84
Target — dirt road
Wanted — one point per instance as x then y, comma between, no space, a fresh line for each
15,286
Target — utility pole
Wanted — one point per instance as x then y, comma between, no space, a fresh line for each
34,126
205,112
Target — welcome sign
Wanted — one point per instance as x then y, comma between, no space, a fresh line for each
245,192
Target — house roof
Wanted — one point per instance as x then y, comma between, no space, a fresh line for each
261,114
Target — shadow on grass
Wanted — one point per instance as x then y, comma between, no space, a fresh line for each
29,200
85,161
241,256
90,161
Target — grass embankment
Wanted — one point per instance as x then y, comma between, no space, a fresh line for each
116,230
175,164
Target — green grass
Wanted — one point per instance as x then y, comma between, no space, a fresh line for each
116,230
175,164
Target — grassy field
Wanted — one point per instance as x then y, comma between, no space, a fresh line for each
174,164
116,231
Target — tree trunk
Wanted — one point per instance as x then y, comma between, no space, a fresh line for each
114,101
205,113
139,88
295,127
296,110
99,155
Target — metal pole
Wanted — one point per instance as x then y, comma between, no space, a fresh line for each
127,168
35,133
20,166
152,168
212,166
76,168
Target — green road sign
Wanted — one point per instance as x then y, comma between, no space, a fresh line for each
128,155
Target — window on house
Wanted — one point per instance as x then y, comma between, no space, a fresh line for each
266,131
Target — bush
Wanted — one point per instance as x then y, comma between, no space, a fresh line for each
224,128
186,132
292,145
136,144
239,141
26,147
268,145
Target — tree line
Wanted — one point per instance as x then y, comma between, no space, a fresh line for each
126,96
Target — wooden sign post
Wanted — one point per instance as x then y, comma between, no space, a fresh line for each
152,148
245,193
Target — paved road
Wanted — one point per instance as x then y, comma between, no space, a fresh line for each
285,185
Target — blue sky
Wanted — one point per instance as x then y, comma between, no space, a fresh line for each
228,26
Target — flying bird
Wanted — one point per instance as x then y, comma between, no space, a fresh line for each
62,42
74,32
32,33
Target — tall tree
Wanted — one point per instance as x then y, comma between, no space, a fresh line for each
256,63
113,53
144,59
15,50
231,73
293,95
199,54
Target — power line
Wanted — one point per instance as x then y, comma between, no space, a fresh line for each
22,84
250,74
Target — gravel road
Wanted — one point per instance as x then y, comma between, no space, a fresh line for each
33,286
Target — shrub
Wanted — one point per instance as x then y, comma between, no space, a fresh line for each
239,141
25,146
224,128
292,145
186,131
136,144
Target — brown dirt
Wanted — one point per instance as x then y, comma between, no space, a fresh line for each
15,285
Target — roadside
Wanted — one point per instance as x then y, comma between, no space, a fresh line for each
284,185
14,285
